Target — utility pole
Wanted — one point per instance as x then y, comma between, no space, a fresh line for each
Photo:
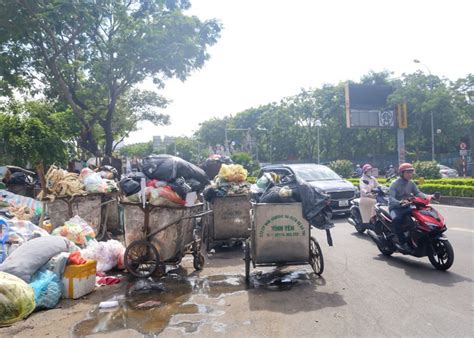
431,112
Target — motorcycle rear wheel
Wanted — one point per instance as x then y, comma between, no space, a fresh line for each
441,255
385,247
356,216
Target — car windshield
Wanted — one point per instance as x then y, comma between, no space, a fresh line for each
315,173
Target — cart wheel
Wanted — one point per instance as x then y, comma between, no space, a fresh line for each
316,257
247,259
141,258
198,261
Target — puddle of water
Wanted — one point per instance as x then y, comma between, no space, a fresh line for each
147,305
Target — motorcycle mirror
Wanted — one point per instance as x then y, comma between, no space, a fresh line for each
437,195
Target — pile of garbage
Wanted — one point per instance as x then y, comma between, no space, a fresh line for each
213,163
38,268
165,181
19,207
231,180
60,183
98,182
271,188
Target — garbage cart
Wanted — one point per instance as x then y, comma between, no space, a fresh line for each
281,236
229,221
156,236
88,207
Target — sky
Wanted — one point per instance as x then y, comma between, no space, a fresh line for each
271,49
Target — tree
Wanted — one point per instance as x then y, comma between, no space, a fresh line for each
34,132
137,149
90,55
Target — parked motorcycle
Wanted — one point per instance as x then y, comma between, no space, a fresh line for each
424,230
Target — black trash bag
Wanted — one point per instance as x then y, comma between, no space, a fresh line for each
168,168
20,178
194,184
316,209
129,186
211,166
180,187
136,176
209,193
272,195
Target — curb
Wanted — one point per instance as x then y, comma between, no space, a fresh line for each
457,201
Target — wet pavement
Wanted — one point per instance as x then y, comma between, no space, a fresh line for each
361,293
149,305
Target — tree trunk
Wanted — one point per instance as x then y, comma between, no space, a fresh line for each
109,141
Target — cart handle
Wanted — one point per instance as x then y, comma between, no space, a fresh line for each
151,234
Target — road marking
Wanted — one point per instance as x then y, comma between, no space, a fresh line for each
462,229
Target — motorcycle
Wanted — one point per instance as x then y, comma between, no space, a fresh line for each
356,217
424,230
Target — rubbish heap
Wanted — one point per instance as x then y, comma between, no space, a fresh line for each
40,263
165,181
271,188
231,180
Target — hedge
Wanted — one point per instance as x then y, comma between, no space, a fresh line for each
458,187
448,189
452,181
251,179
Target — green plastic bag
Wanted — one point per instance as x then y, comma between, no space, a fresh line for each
17,299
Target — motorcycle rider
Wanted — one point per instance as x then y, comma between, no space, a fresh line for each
390,171
399,206
367,184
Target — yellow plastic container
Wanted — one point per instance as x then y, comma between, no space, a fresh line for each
79,280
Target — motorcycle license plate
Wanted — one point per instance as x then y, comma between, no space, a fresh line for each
344,203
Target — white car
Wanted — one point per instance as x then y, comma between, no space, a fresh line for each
447,172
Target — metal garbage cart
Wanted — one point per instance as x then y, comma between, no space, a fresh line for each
156,236
63,208
88,207
281,236
229,221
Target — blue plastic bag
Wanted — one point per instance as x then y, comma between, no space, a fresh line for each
47,288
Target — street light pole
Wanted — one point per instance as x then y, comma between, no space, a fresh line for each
318,126
431,113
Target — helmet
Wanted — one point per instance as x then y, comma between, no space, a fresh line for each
366,167
405,167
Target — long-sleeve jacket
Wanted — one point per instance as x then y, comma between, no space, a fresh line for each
366,188
401,189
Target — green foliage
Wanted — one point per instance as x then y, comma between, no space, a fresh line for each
452,181
343,167
426,169
288,130
137,149
244,159
90,55
28,139
448,189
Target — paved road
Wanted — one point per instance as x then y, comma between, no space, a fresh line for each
361,294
